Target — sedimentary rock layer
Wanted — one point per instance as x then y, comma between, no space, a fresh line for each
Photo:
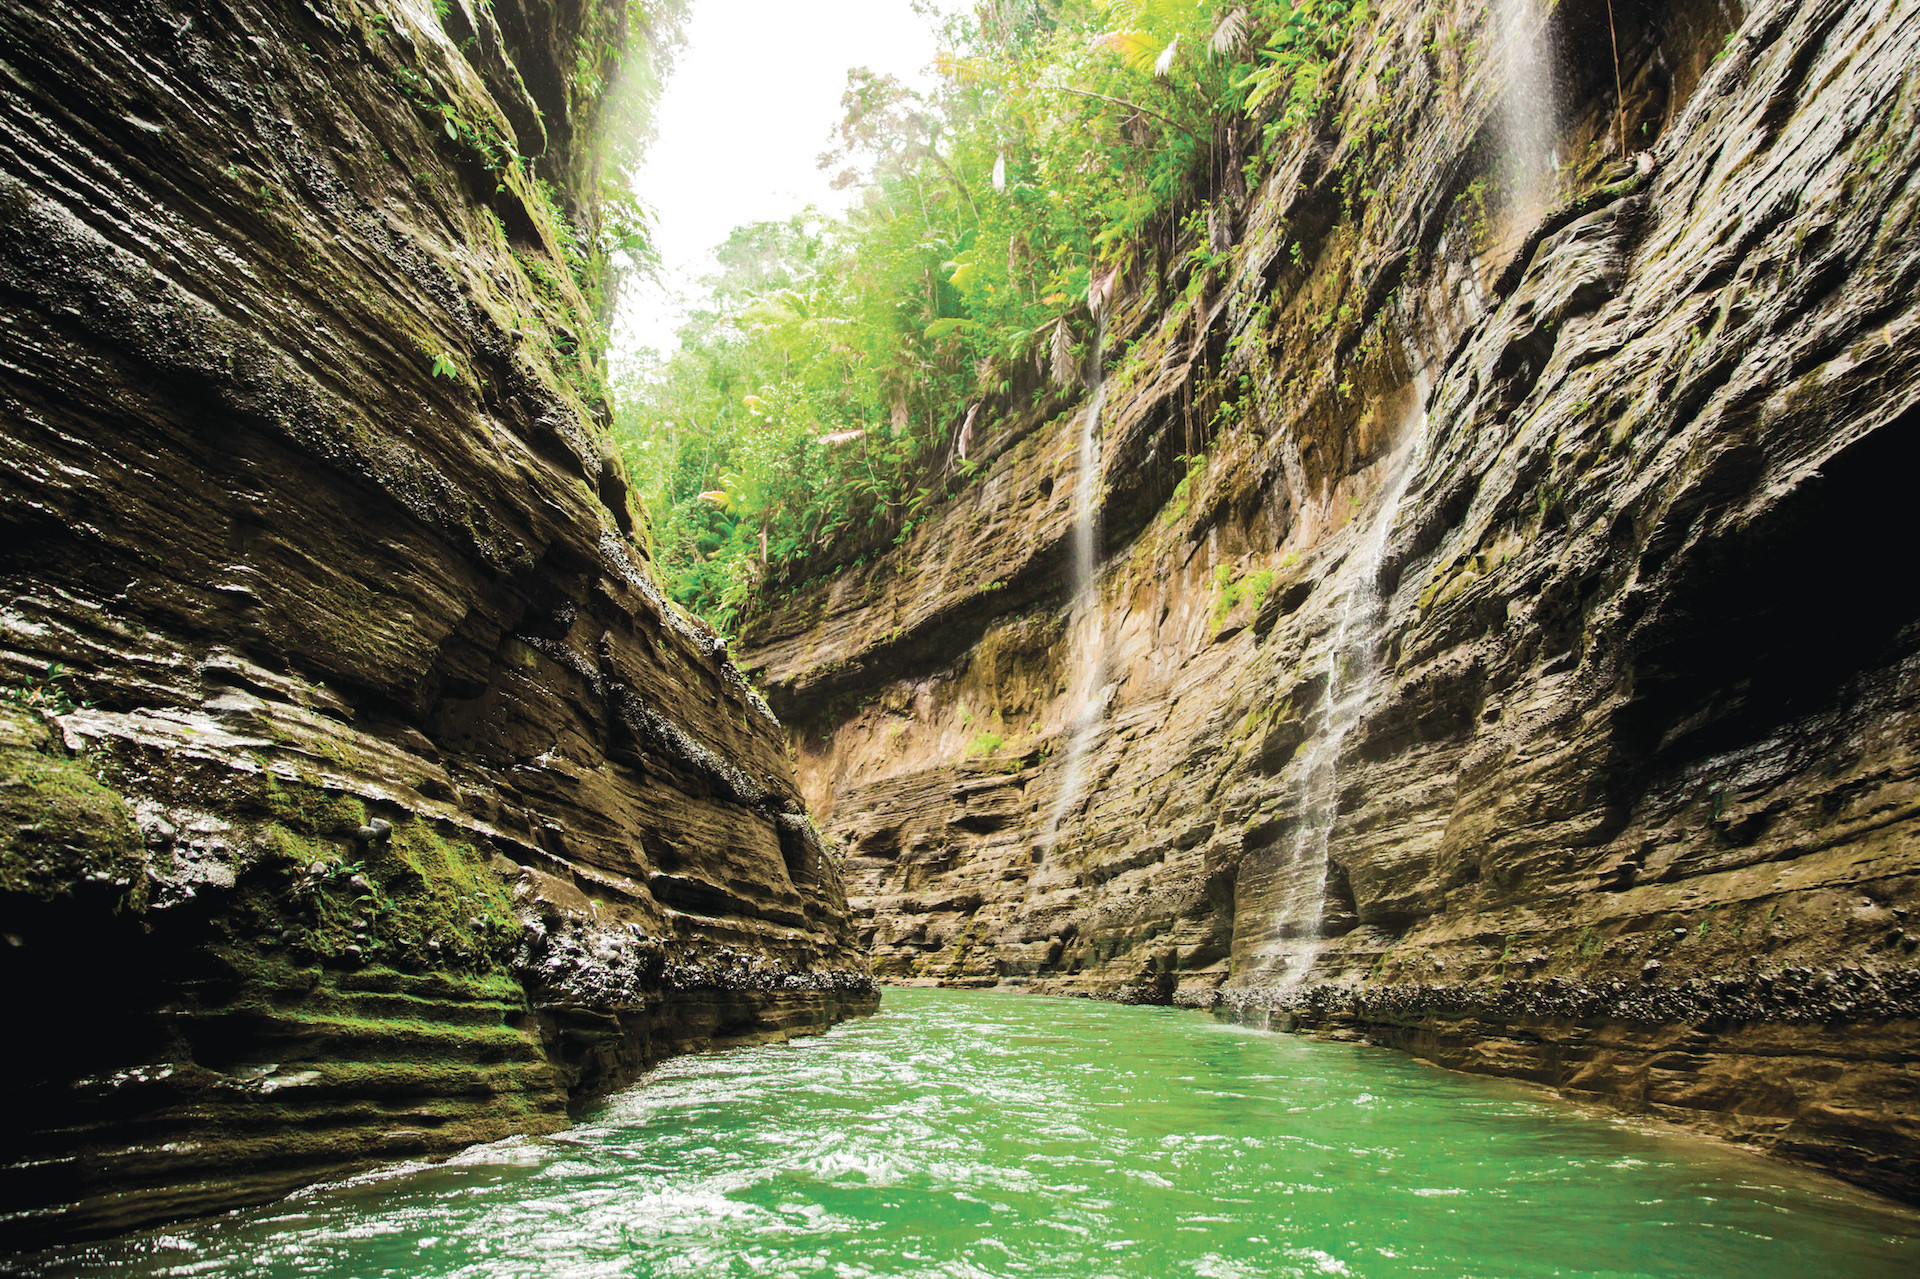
1503,648
363,796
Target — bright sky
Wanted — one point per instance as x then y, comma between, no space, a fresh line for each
752,102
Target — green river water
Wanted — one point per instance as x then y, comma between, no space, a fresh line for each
962,1134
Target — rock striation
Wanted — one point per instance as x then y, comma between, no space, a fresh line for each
364,798
1499,650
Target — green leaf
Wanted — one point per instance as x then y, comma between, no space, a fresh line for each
1137,49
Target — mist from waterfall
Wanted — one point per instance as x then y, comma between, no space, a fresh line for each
1529,105
1085,707
1353,677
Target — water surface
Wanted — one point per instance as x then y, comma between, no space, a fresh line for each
963,1134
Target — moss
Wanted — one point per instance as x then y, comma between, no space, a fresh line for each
63,828
1447,583
386,1052
1181,499
442,890
310,809
323,890
568,347
347,1048
380,1032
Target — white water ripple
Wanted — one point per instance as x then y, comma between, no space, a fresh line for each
1130,1142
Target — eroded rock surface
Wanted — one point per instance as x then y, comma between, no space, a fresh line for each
382,804
1527,675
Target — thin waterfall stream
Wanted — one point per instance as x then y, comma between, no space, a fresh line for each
1529,106
1528,110
1086,661
1353,676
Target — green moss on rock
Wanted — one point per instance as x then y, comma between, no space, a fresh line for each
61,828
409,896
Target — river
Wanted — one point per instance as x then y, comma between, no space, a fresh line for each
970,1134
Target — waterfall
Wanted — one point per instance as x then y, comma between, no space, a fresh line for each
1084,704
1353,676
1529,108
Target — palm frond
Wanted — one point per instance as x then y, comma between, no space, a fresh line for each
1135,47
1230,37
1064,374
1164,63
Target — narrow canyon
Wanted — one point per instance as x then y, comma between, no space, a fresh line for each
1447,594
1496,647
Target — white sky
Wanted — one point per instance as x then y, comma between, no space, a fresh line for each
753,101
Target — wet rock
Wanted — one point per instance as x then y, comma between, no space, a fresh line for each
1591,711
303,579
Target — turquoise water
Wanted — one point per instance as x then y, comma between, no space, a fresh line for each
962,1134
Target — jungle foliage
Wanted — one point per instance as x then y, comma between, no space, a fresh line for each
622,57
825,394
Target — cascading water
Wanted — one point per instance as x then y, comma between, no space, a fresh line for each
1529,106
1353,675
1085,660
1528,173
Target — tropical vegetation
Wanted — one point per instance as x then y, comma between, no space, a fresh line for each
824,393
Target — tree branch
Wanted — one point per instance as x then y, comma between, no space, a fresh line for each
1122,102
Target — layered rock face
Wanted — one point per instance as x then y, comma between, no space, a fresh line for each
363,796
1502,648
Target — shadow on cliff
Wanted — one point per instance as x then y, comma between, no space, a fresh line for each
1772,618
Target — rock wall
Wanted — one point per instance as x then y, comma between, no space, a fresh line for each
1501,649
363,796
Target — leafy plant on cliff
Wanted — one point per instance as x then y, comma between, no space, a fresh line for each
1235,590
1195,470
48,693
985,744
1293,67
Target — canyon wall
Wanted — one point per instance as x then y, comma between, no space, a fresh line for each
1500,649
364,797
